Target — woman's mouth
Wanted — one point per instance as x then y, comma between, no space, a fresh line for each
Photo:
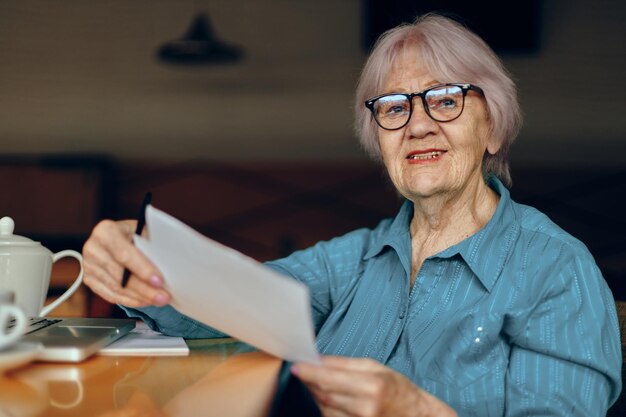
427,155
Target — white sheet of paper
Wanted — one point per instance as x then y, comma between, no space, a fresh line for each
230,291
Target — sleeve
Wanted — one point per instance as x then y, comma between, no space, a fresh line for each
171,322
328,269
565,357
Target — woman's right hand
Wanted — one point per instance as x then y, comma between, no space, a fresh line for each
107,252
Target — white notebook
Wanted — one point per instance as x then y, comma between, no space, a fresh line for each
142,341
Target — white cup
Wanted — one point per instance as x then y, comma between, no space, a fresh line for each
8,313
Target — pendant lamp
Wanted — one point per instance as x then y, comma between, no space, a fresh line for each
199,46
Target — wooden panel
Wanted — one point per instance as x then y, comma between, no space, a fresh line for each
50,200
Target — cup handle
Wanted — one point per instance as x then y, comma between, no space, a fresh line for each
13,311
72,289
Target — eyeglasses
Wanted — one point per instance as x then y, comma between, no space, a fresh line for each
442,102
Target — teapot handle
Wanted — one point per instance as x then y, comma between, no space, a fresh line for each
72,289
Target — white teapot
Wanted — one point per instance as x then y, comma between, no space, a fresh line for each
25,267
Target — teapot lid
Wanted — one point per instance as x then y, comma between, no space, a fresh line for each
7,225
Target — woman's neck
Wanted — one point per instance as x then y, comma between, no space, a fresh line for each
444,220
446,213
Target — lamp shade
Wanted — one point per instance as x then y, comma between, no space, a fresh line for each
199,46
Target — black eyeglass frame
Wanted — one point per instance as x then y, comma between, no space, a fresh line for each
465,87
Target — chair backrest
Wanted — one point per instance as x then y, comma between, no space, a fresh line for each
621,315
619,408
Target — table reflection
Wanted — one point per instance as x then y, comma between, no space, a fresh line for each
218,378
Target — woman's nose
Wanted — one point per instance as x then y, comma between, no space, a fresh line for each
420,123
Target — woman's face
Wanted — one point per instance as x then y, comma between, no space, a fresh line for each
426,158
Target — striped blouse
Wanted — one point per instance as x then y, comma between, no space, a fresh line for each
515,320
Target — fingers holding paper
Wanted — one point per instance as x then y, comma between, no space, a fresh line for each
107,252
363,387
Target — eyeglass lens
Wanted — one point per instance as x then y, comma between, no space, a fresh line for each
443,103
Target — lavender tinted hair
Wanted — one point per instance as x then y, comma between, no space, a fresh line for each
451,53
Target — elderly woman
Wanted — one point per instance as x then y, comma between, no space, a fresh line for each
466,303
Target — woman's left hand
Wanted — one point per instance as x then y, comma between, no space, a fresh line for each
363,387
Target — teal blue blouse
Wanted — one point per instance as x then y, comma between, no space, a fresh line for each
515,320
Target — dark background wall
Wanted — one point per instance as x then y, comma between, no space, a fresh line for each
81,76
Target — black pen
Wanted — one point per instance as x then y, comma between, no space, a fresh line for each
141,222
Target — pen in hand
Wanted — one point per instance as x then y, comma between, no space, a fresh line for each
141,221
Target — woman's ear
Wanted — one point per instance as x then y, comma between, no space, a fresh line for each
493,145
